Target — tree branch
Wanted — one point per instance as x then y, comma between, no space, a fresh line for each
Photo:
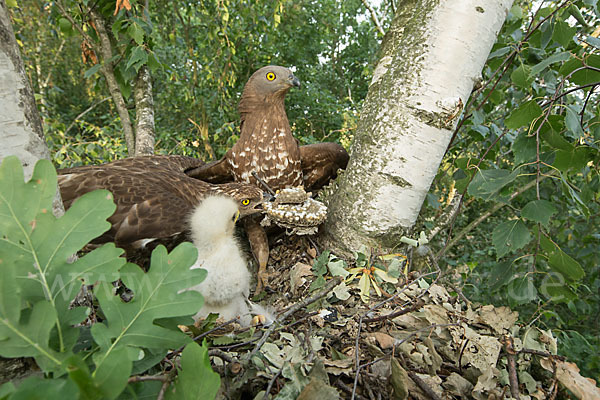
144,113
113,86
374,17
90,108
484,216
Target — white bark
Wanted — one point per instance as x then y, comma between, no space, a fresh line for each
431,57
20,124
144,111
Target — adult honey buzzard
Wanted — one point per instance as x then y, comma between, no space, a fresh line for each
154,196
267,150
266,147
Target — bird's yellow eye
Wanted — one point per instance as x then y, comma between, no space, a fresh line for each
270,76
245,202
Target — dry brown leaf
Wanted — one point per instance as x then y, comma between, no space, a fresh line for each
458,386
317,389
88,53
338,367
122,4
399,381
384,340
297,274
568,375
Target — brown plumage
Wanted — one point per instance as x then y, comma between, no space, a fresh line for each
267,148
266,145
154,196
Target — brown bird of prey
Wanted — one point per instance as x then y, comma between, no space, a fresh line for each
266,147
267,150
154,196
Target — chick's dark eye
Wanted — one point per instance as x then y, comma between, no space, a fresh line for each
234,217
245,202
270,76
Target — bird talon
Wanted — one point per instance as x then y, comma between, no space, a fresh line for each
262,280
259,320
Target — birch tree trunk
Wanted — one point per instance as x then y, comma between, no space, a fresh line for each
430,59
21,131
21,134
144,111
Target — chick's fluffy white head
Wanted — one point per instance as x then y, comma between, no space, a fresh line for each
213,220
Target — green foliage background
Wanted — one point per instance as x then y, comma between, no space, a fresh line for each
533,123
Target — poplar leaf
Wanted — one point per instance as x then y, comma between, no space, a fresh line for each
510,236
524,115
539,211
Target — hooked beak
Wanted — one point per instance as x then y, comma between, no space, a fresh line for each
267,197
294,81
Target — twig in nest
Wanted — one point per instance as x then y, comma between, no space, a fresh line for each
272,382
200,336
422,385
460,294
462,350
267,187
427,328
360,322
322,293
145,378
509,348
406,286
221,354
360,367
418,304
543,354
366,385
307,316
233,346
347,389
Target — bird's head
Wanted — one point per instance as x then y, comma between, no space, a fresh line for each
269,84
248,197
214,218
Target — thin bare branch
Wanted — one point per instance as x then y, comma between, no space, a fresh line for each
90,108
319,295
484,216
374,17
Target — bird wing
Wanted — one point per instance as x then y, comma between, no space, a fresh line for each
214,172
151,217
320,162
153,195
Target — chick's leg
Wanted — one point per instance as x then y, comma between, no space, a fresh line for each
259,244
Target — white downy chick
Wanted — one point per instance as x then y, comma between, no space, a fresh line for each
227,284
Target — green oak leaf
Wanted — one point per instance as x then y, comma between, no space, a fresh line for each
196,380
159,293
38,278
